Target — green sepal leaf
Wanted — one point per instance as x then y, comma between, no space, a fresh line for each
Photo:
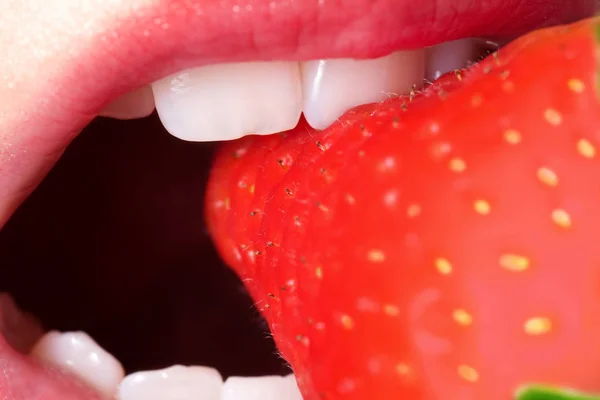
538,392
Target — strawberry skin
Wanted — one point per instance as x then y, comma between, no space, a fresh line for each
436,246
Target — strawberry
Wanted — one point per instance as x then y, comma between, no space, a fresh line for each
442,245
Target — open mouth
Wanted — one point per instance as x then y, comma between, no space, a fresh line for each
113,243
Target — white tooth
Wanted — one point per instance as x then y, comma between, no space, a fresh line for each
20,329
261,388
448,56
174,383
227,101
82,356
331,87
136,104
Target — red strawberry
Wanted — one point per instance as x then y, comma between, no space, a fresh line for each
437,247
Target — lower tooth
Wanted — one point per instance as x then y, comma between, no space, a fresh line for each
261,388
330,87
227,101
136,104
174,383
448,56
83,357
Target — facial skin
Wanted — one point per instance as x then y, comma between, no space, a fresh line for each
125,197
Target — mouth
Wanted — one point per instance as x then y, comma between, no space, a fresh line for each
214,71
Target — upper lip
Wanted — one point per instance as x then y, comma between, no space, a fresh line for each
63,61
137,41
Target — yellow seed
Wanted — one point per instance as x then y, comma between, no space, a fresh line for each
561,218
482,207
553,117
304,340
443,266
376,256
439,150
514,262
537,326
347,322
403,368
476,100
468,373
391,310
496,57
576,85
547,176
319,272
457,164
585,148
323,207
320,326
413,210
462,317
508,86
512,136
350,199
252,188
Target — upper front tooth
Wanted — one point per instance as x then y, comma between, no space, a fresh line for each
174,383
227,101
330,87
136,104
83,357
448,56
261,388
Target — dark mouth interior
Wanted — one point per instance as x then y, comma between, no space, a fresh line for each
113,243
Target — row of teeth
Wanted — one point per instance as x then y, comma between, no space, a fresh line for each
78,354
227,101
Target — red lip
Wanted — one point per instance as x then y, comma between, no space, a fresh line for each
134,45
